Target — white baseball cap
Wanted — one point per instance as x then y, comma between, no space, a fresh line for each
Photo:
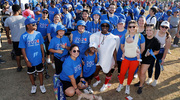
93,44
165,23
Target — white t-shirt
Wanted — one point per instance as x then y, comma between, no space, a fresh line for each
23,2
16,26
152,20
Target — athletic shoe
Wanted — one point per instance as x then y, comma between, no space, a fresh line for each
86,90
149,81
175,46
33,89
169,52
48,60
2,61
53,65
119,88
90,90
19,69
96,83
127,91
104,87
136,75
139,91
154,83
43,89
137,84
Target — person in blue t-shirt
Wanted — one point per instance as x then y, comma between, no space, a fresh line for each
42,25
93,26
142,12
130,50
85,17
129,17
136,11
78,12
51,32
96,6
119,12
67,18
119,31
90,60
80,37
53,10
31,44
167,15
71,75
59,45
37,13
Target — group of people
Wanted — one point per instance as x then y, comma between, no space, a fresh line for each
84,39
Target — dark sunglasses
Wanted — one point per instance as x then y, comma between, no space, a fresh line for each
104,25
164,27
132,26
45,12
74,51
33,24
150,25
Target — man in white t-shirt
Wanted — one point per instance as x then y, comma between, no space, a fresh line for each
15,23
152,19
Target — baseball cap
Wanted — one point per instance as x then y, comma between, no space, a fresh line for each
45,10
165,23
121,20
29,21
37,9
93,44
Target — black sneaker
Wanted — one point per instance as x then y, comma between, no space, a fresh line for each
2,61
137,84
19,69
139,91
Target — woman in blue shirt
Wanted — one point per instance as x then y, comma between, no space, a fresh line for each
93,26
71,75
59,45
80,37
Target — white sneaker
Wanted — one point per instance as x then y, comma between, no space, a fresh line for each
90,90
175,46
136,75
86,90
149,81
169,52
104,87
33,89
53,65
48,60
140,60
96,83
119,88
43,89
127,91
154,83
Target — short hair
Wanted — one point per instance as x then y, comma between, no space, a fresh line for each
113,4
16,8
154,10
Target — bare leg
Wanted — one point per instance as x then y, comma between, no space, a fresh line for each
40,77
31,77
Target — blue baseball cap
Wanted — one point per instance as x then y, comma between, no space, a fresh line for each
130,11
79,7
176,10
136,4
29,21
121,20
118,4
125,10
65,7
142,10
107,4
65,1
119,10
96,12
45,10
106,21
37,9
96,1
81,22
61,27
169,11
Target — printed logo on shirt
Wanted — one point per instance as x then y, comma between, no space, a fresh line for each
90,63
43,25
51,12
58,46
80,40
33,43
77,68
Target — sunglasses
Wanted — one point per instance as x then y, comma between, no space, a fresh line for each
132,26
45,12
74,51
33,24
150,25
104,25
164,27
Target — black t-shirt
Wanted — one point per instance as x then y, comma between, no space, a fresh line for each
153,44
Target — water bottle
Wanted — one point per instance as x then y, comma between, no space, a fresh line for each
161,66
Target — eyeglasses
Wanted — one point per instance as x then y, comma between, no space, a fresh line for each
45,12
104,25
132,26
150,25
164,27
74,51
33,24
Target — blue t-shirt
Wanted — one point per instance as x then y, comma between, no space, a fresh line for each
71,67
67,20
52,12
120,34
56,45
121,16
81,40
92,27
128,18
34,3
165,17
42,26
159,15
89,65
37,16
113,20
73,14
32,44
52,29
136,13
140,41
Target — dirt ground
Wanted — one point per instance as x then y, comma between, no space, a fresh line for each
16,85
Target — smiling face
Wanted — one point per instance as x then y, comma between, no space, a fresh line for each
57,18
112,9
150,31
60,33
81,28
132,28
105,28
92,49
85,15
120,25
74,52
141,21
96,16
163,29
